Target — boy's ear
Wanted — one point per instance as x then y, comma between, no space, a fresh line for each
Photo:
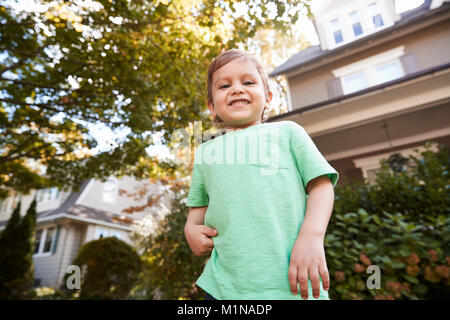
210,107
270,96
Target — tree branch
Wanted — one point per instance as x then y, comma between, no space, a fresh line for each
49,107
13,66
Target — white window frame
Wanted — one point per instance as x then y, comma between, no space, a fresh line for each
99,230
359,20
40,252
340,29
108,232
397,61
378,12
54,193
369,65
47,194
343,83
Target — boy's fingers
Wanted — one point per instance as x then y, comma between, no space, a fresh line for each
323,270
315,281
210,232
292,276
208,243
303,281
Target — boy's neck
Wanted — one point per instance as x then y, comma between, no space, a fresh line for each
230,129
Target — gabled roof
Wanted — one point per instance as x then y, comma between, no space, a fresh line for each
314,53
71,210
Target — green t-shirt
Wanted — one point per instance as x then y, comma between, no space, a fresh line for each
253,181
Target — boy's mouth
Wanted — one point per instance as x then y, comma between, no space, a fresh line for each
239,102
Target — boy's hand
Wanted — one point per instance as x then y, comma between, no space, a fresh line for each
198,238
308,259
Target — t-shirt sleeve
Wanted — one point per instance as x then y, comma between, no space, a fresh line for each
310,162
197,196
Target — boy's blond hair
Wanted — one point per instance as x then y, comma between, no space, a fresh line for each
225,58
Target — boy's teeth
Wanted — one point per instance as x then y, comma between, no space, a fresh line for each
239,102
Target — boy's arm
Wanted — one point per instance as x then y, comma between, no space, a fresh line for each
197,234
308,254
196,215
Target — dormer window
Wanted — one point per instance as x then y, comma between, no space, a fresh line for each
44,195
110,190
377,19
356,23
337,32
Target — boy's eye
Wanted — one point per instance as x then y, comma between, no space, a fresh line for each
227,85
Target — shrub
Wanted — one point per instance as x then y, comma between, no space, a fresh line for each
109,269
401,223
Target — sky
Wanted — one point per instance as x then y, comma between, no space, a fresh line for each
107,139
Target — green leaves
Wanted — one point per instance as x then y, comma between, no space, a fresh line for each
389,223
134,66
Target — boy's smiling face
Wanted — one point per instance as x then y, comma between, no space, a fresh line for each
238,94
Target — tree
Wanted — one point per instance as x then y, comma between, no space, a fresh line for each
16,255
136,67
110,268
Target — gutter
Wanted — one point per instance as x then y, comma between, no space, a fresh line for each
88,220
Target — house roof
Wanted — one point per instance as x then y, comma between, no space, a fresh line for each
315,52
79,212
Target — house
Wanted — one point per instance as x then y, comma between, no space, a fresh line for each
377,84
67,220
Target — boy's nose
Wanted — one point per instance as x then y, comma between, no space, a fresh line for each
238,90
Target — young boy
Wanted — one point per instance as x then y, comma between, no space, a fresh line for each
248,207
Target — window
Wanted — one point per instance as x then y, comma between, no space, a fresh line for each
377,19
337,33
40,195
54,193
5,204
372,71
105,232
371,175
389,71
354,82
37,240
44,241
110,189
117,234
45,195
14,201
101,233
49,240
356,24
